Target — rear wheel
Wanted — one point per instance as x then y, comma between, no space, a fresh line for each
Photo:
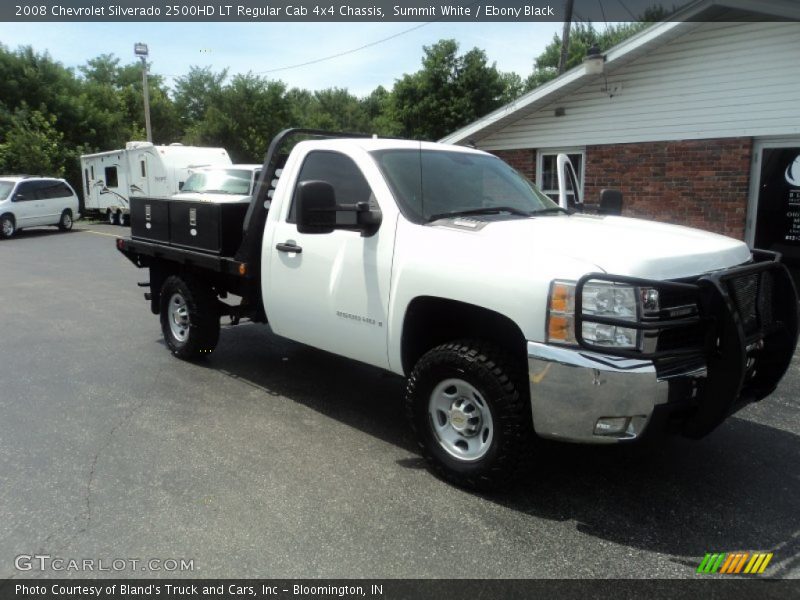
122,218
189,317
112,217
8,226
470,414
65,222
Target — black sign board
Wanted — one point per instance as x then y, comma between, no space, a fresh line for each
778,218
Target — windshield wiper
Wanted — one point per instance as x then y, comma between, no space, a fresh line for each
486,210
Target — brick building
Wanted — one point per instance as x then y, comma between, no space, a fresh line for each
696,121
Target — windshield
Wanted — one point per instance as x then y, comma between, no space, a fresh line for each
220,181
5,189
432,184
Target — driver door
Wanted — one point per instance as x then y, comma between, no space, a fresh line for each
331,291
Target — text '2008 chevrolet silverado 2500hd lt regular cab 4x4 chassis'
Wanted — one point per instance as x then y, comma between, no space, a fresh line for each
510,316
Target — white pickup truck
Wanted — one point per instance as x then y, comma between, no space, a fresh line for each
511,316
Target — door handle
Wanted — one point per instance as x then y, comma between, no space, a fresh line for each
289,247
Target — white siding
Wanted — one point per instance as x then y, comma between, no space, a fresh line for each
719,80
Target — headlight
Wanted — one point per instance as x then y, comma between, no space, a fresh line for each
602,300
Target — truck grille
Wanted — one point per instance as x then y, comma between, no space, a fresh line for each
752,296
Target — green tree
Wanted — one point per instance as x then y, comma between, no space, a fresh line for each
32,145
245,116
582,37
449,91
195,92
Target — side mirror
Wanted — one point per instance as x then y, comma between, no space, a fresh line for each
19,197
610,202
316,207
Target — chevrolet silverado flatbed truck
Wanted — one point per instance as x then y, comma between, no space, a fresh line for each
510,316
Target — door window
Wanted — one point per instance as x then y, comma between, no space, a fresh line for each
26,191
349,183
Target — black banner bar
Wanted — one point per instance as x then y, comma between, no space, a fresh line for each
392,11
703,586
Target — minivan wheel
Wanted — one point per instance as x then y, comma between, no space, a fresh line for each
470,414
65,223
7,226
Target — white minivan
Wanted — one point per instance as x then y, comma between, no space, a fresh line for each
35,201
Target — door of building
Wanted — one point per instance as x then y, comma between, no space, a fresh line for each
773,221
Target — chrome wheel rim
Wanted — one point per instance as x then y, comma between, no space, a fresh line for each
66,221
110,218
178,317
461,419
8,227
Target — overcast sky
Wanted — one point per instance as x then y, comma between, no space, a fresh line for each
262,47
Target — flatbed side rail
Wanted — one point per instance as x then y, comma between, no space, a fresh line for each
134,250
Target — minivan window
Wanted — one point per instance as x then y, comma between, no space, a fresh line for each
54,189
27,190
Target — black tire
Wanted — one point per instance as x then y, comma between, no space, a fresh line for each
8,226
201,334
122,219
65,222
111,217
490,372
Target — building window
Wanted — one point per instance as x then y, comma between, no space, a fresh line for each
547,171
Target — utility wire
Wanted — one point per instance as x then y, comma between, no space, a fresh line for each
603,12
346,52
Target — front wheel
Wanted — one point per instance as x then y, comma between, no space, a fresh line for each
7,226
189,317
470,414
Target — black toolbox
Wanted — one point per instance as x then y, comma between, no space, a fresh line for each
150,218
210,227
207,226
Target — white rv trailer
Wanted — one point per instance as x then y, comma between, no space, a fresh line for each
140,169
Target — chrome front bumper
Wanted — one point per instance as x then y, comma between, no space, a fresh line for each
572,389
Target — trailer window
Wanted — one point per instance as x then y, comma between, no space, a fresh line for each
111,177
144,170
